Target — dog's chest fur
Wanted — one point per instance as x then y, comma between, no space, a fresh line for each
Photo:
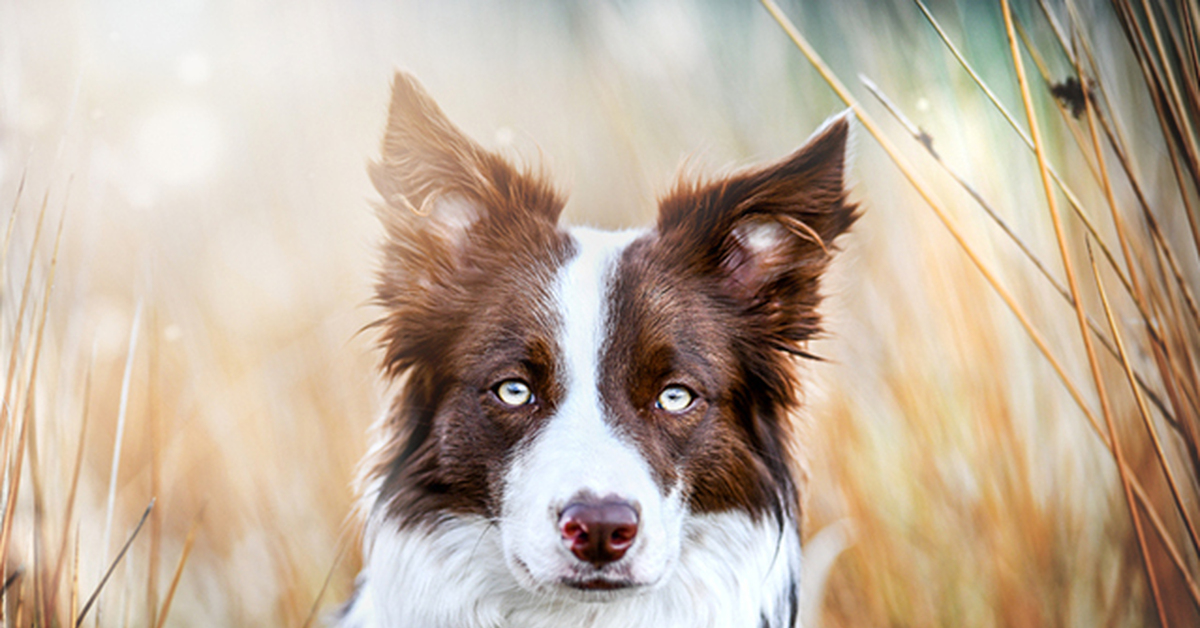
591,428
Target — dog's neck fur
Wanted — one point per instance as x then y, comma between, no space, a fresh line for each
732,572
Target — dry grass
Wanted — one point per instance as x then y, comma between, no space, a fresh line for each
1005,432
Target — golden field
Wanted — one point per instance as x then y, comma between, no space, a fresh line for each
190,244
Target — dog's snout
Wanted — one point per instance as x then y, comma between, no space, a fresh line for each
599,533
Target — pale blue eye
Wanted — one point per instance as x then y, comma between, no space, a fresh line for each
675,399
514,392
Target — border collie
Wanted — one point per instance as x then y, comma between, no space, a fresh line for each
592,428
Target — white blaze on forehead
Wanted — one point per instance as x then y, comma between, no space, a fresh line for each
577,450
579,426
582,290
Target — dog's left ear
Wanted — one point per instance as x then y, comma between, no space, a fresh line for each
766,235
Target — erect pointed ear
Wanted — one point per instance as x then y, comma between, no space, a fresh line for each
765,235
450,206
432,169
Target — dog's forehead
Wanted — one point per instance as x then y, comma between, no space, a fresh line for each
582,295
617,293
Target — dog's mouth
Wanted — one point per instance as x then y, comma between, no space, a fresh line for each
588,586
598,584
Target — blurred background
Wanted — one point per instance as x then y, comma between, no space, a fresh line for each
196,338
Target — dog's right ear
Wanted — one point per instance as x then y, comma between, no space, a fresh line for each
434,179
449,205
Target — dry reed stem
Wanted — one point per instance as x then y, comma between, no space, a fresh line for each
152,426
73,607
1147,319
1189,208
1143,410
12,217
1119,226
919,135
1189,31
37,576
12,579
34,464
113,567
1093,362
120,436
1165,364
1186,77
1173,384
926,141
1172,84
1163,250
9,417
1189,134
923,190
1073,200
14,486
868,123
343,544
925,193
1067,118
71,492
39,509
1168,368
1180,380
1137,39
187,550
1056,28
5,408
1116,140
11,603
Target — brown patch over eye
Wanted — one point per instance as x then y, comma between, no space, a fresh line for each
687,381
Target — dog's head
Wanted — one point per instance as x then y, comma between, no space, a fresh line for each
588,392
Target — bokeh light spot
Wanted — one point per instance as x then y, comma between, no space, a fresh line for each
180,146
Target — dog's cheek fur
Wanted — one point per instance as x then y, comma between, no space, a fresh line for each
670,327
455,442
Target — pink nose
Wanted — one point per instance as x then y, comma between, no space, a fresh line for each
599,533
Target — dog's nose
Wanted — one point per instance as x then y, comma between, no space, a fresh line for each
599,533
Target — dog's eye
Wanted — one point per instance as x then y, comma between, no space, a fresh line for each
674,399
514,392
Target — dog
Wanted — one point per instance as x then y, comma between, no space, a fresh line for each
592,428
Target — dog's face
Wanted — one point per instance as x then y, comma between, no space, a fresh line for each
592,393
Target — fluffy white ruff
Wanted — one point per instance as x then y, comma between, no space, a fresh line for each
732,572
